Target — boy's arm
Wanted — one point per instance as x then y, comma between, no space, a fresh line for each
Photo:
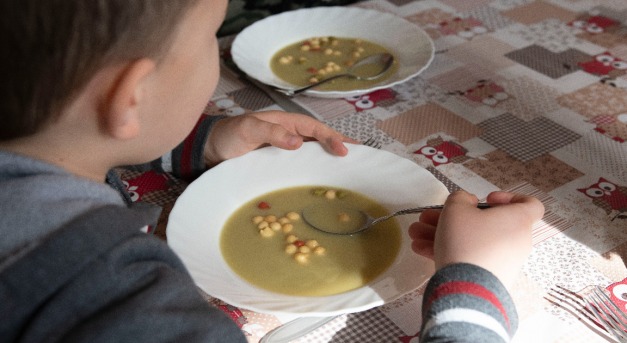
477,254
218,138
187,159
466,303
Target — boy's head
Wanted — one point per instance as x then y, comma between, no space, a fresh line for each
51,49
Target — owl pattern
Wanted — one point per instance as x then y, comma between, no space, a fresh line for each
371,100
613,126
618,293
440,151
608,196
234,313
593,24
224,106
145,183
484,92
604,65
466,28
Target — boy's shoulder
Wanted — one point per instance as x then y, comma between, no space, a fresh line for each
38,198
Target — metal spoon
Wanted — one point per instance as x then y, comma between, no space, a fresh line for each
294,329
384,59
312,216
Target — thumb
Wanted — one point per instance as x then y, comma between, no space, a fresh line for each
461,198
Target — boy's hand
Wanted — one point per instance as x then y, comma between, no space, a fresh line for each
497,239
235,136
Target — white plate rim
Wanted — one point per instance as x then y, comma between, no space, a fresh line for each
251,50
188,236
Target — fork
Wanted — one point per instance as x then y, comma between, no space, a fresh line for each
608,314
578,306
371,142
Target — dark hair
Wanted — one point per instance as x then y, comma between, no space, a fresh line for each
50,49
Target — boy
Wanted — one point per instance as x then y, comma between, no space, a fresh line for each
87,86
90,85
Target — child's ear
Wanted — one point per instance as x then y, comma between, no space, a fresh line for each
121,116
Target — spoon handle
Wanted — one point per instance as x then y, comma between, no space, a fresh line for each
481,205
292,92
294,329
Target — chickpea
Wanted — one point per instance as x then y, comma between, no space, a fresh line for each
275,226
287,228
291,249
304,249
304,48
337,53
283,220
284,60
343,217
270,218
312,243
328,51
313,80
301,258
330,194
264,224
267,232
356,54
257,219
291,239
320,251
293,216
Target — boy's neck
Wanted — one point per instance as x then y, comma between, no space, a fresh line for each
78,158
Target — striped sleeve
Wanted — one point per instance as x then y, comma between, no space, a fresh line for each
187,159
466,303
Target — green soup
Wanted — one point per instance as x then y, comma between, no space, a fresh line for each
317,58
290,257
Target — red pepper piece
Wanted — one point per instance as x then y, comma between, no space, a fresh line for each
263,205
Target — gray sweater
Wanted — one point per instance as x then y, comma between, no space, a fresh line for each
74,266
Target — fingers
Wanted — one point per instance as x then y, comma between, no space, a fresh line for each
530,206
430,217
422,233
461,198
298,128
423,237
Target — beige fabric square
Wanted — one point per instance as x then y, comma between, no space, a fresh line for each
422,121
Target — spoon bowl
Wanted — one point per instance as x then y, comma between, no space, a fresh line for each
317,217
384,60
